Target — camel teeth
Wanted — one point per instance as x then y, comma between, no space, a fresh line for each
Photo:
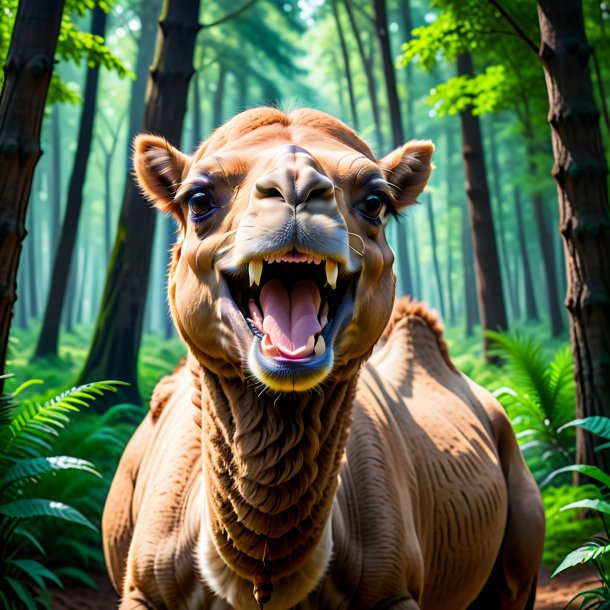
255,270
320,346
331,273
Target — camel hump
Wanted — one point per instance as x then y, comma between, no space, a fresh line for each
164,390
407,308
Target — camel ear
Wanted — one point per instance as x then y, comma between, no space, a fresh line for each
407,169
159,170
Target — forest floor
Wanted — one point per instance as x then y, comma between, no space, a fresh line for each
552,594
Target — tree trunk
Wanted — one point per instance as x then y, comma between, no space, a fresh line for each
470,292
404,270
381,29
531,310
196,112
149,16
580,172
449,197
406,25
367,64
497,190
55,179
49,334
437,269
118,332
489,283
27,73
411,236
346,64
219,96
545,237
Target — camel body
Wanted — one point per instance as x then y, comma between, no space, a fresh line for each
285,466
433,502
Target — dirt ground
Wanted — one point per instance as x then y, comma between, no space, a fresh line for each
552,594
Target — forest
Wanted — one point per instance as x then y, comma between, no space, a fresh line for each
510,241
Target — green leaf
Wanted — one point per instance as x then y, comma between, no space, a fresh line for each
599,505
21,530
22,592
36,571
591,471
581,555
26,509
596,424
35,467
78,575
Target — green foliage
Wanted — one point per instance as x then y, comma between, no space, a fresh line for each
485,92
563,530
596,549
73,45
29,433
540,401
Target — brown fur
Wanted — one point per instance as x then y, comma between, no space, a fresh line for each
393,483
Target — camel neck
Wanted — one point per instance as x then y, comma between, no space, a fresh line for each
270,469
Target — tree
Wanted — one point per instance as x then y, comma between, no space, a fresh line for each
49,334
489,283
27,75
118,331
580,172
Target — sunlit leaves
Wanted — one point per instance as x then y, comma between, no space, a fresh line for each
485,92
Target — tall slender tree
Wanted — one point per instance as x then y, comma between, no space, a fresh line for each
531,309
437,268
346,64
118,332
367,64
49,334
489,283
27,74
389,71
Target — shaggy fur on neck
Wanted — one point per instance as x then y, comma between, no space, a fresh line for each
270,468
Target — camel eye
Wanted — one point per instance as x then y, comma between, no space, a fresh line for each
372,206
201,204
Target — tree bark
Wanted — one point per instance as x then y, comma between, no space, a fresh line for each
437,269
118,332
27,74
346,64
49,334
531,310
367,64
580,171
489,283
381,29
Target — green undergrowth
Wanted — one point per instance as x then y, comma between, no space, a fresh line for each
158,357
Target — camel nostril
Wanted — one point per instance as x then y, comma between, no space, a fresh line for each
268,190
319,193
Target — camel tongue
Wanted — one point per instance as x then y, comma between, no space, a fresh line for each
291,319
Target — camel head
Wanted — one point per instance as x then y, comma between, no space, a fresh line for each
281,274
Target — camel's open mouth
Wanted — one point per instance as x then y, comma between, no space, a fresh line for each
291,301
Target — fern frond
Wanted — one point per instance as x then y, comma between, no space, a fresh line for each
526,362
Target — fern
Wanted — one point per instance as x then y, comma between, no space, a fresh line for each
540,401
29,434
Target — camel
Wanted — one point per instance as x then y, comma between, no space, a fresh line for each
317,448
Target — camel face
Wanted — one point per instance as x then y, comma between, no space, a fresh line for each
281,273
